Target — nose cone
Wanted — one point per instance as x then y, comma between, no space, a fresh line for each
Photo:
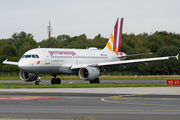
22,64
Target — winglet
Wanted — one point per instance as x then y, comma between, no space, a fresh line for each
10,62
177,56
5,61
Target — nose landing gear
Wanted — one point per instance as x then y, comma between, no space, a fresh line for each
38,81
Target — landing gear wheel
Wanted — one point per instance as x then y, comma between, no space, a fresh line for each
52,81
38,82
58,81
55,81
91,81
96,80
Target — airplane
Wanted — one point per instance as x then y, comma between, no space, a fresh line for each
88,63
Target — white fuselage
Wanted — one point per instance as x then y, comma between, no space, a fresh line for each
59,61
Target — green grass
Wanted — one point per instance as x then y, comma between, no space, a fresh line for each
82,85
103,77
16,83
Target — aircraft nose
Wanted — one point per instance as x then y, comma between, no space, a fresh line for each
22,64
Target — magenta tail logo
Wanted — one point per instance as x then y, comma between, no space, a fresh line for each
114,42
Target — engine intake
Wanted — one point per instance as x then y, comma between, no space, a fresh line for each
89,73
28,77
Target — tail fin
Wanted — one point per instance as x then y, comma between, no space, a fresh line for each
114,42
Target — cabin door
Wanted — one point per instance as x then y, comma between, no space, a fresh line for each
47,57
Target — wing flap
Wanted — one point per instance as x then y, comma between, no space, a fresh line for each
134,55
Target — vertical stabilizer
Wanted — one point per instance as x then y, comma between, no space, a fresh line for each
114,42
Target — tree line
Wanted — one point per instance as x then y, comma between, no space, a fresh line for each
161,43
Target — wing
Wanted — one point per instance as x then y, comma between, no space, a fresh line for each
124,62
10,62
134,55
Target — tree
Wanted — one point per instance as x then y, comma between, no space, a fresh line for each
23,34
167,51
24,48
3,43
98,42
20,42
2,58
171,63
63,37
8,50
49,43
15,36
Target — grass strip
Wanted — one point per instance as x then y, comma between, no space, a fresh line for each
86,85
103,77
16,83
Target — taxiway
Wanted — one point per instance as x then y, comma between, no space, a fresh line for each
101,103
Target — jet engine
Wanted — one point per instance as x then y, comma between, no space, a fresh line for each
28,77
89,73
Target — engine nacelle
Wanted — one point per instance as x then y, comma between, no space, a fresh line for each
89,73
28,77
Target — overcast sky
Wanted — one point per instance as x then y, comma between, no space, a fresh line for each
90,17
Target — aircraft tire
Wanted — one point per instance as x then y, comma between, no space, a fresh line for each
53,81
96,80
36,83
91,81
58,81
40,82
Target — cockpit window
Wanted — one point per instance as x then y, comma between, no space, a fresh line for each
37,56
33,56
23,56
28,56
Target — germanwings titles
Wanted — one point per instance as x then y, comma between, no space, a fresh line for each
88,63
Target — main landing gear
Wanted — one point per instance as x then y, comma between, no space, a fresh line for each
38,81
55,80
95,81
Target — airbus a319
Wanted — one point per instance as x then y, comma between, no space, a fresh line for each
88,63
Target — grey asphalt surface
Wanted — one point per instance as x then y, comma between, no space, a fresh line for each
99,106
101,81
125,103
